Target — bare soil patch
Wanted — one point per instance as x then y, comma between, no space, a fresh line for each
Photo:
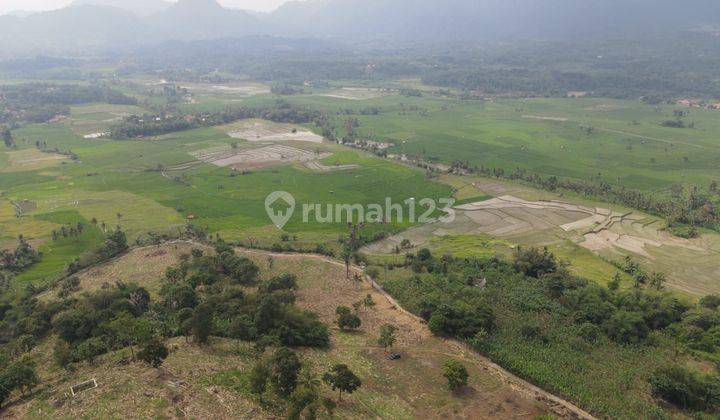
145,266
268,131
536,117
316,165
416,379
263,157
691,265
412,387
232,89
354,93
31,160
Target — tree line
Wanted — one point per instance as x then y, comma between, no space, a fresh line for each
206,295
690,206
41,102
493,304
153,125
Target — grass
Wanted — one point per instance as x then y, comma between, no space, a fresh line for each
211,381
56,255
117,183
628,146
607,379
464,246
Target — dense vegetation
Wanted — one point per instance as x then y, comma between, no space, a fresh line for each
41,102
560,331
152,125
205,295
19,259
654,68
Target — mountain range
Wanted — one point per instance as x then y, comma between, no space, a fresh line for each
102,24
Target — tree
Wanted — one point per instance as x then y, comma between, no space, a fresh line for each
685,388
4,282
614,284
342,379
258,378
140,301
303,397
626,327
710,302
535,263
657,281
21,376
387,336
346,319
7,137
456,374
5,391
201,323
284,369
154,353
128,331
368,301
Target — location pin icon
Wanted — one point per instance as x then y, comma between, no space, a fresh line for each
280,207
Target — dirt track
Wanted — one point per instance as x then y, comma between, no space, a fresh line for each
555,404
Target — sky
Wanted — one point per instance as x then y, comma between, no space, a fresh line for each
33,5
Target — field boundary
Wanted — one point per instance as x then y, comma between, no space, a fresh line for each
554,403
557,405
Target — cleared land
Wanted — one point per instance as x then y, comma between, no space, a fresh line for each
692,266
92,120
205,382
354,93
230,90
31,160
267,131
156,184
262,157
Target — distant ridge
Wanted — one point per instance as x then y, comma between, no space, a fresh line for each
113,23
141,8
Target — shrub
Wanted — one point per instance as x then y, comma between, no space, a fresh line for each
686,389
346,319
710,302
462,321
534,262
153,353
456,374
626,327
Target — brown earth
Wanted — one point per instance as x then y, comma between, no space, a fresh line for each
193,381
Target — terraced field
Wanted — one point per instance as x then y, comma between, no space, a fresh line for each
160,184
693,266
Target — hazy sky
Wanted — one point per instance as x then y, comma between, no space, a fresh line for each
11,5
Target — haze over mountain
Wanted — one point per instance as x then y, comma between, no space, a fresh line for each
109,23
139,7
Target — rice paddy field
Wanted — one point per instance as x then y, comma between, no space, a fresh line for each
161,184
218,177
627,144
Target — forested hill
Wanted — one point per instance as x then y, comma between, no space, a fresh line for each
100,24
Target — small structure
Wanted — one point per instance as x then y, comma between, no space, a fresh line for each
191,217
83,386
577,94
